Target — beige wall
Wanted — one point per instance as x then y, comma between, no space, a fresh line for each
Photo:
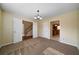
78,29
0,27
43,29
68,32
68,23
7,28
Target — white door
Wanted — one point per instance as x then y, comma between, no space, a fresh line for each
17,25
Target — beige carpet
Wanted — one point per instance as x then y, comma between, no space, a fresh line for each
36,47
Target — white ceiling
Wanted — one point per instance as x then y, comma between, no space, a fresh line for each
46,9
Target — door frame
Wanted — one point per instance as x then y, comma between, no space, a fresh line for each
51,28
23,27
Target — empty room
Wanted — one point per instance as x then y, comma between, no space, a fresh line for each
39,28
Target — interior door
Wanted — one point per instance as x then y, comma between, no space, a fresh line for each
17,24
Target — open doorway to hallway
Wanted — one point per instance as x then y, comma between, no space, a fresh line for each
27,30
55,30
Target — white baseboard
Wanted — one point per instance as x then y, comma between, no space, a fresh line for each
8,43
17,42
69,44
5,44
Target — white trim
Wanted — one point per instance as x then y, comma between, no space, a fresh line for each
5,44
68,43
17,42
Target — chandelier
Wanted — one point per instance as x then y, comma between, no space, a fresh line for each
38,17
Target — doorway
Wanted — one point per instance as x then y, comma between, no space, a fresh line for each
27,30
55,30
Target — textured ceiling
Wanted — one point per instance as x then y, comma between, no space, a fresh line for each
46,9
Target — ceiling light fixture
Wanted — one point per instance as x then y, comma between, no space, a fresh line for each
38,17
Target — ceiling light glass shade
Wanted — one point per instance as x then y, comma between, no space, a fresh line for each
38,16
35,17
